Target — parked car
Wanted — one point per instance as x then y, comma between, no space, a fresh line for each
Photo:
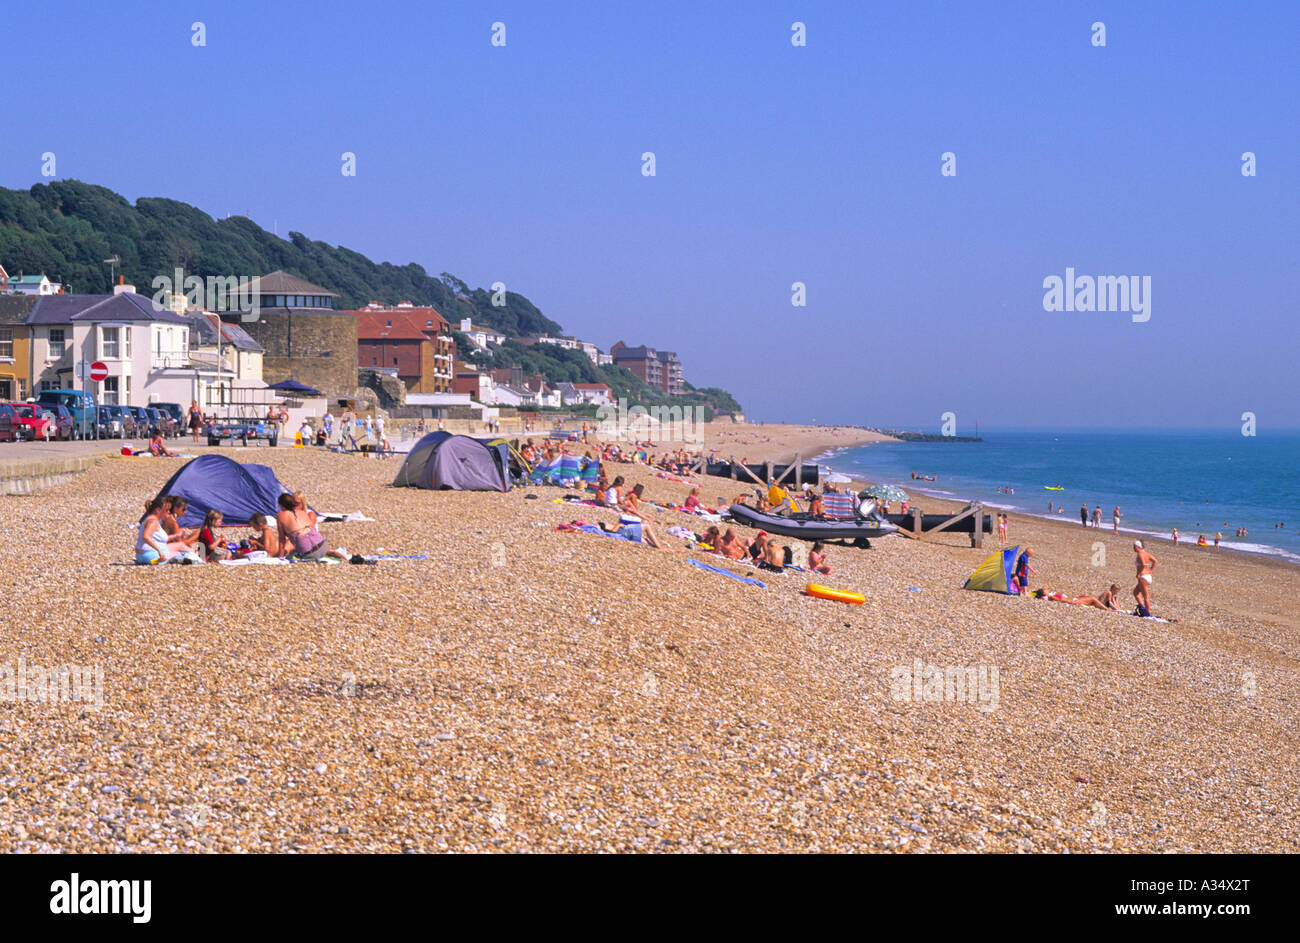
177,415
118,422
82,406
61,417
142,421
29,421
162,421
8,423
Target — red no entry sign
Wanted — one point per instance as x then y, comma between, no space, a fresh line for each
99,371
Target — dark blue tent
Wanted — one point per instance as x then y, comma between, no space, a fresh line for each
237,491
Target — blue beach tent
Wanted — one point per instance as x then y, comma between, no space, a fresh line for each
996,574
237,491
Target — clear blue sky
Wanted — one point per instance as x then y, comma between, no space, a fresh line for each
775,164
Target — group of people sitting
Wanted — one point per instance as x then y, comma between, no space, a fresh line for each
762,551
295,534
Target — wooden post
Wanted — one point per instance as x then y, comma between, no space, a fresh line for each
977,536
798,472
732,463
916,521
767,467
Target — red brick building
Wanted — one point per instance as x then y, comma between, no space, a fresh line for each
413,342
659,368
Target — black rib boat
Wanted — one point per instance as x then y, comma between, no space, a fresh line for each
811,528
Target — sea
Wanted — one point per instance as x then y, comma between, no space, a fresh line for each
1201,481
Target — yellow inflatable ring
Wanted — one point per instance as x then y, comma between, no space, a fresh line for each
838,595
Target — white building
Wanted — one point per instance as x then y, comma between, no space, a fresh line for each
572,343
146,348
33,285
483,338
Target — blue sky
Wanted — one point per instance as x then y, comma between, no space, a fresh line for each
775,164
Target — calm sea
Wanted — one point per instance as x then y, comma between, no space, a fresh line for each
1201,482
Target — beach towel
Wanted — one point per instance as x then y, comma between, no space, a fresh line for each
717,569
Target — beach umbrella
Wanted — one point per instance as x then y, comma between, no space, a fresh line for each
293,386
883,492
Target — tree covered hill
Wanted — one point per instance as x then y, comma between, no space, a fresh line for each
66,229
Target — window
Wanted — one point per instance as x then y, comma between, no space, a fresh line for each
390,323
22,389
374,361
50,385
127,345
108,346
108,391
57,344
6,343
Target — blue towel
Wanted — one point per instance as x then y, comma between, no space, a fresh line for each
715,569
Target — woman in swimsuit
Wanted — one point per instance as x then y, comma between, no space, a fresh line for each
297,528
693,501
817,559
151,540
196,419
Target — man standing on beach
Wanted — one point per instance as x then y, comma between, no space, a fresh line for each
1145,565
1083,514
1117,515
1096,517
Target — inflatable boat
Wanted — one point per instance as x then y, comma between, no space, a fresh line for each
811,528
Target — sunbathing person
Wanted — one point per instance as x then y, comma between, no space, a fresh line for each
1092,601
174,508
817,559
732,546
614,493
692,502
157,448
712,537
773,557
151,540
265,537
758,546
631,503
297,528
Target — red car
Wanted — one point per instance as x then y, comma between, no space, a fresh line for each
29,421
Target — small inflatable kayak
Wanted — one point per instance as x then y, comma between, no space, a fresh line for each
837,595
1053,488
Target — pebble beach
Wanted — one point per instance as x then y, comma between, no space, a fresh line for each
530,690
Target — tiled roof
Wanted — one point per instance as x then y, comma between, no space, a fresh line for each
374,326
203,332
64,309
282,283
15,308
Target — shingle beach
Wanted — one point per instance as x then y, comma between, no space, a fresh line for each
526,689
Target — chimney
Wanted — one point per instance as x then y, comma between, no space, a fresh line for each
121,288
